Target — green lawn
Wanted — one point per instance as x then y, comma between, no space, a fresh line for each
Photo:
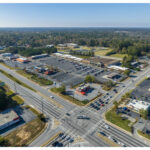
16,80
117,120
102,52
119,55
143,134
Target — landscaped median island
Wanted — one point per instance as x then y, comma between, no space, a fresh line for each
16,80
35,78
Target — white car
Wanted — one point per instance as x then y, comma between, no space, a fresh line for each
122,144
106,126
109,137
51,96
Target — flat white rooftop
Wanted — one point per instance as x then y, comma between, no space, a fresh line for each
7,116
137,104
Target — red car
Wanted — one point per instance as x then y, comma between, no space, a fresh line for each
102,104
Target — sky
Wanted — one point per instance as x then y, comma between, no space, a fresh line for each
74,15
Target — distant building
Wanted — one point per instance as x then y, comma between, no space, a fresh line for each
114,76
62,45
49,46
8,118
39,56
6,54
72,45
22,60
1,48
135,64
66,56
117,67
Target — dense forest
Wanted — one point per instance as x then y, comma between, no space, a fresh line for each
30,51
132,41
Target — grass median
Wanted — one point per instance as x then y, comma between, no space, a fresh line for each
16,98
16,80
35,78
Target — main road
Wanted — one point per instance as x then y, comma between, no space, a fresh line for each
52,110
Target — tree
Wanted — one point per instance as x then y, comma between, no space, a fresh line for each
42,117
3,100
3,142
89,78
143,113
127,72
82,42
62,89
116,104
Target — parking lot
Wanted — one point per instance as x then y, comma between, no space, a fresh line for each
142,92
70,72
76,69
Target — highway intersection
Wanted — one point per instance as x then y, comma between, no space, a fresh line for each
70,124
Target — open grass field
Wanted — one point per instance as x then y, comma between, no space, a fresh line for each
118,55
112,117
16,80
102,52
24,134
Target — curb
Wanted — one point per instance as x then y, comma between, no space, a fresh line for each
51,139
